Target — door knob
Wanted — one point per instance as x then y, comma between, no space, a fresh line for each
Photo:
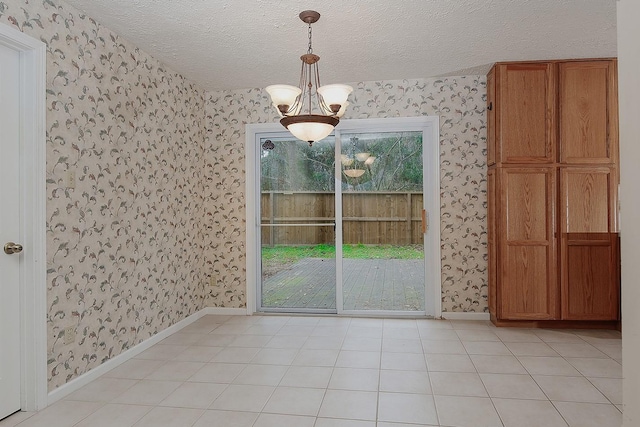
12,248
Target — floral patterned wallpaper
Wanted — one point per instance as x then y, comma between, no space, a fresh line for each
157,204
124,242
460,103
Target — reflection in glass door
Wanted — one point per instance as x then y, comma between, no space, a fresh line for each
383,261
297,205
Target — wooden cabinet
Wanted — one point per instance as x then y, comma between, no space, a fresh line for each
552,151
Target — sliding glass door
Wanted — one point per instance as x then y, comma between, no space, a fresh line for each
341,226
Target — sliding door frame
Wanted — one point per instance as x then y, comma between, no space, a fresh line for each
429,125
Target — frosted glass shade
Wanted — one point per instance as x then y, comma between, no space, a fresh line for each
335,94
354,173
370,161
361,157
283,94
310,132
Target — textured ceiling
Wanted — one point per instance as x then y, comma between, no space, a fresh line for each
226,44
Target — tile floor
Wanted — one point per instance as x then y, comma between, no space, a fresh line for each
280,371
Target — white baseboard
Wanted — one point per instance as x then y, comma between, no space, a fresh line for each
226,311
94,373
461,315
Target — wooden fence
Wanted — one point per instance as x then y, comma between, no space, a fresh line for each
373,218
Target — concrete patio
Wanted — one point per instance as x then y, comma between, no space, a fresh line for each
369,284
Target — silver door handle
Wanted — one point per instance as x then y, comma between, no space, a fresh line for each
12,248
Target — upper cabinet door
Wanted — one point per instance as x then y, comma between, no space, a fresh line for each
588,107
526,115
491,118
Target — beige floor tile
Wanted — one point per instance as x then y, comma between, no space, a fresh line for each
550,335
443,347
402,345
548,366
198,353
17,418
470,324
194,395
531,349
355,405
170,417
577,350
147,392
401,333
215,418
405,382
457,384
355,379
303,320
449,363
358,359
528,413
332,422
399,323
267,330
324,343
433,324
286,342
217,340
589,414
115,415
175,371
307,376
439,335
367,322
261,375
330,331
223,373
476,335
601,368
401,425
252,341
613,351
403,362
364,332
246,398
497,364
334,321
610,387
295,330
277,420
275,356
236,355
135,369
295,401
466,411
488,348
569,389
362,344
65,413
517,335
407,408
102,390
182,338
161,352
512,386
316,358
230,329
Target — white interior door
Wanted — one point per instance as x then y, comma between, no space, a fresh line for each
9,232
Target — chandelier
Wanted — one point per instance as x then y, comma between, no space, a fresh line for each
296,104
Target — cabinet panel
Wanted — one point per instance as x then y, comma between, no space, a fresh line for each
526,204
587,112
528,284
589,201
491,118
590,276
525,294
526,112
491,240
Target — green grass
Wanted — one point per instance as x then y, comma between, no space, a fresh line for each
290,254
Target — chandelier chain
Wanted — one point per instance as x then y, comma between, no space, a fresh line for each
309,49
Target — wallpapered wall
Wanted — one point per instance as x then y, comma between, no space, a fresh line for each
124,253
460,103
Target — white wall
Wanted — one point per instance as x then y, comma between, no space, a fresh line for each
629,89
